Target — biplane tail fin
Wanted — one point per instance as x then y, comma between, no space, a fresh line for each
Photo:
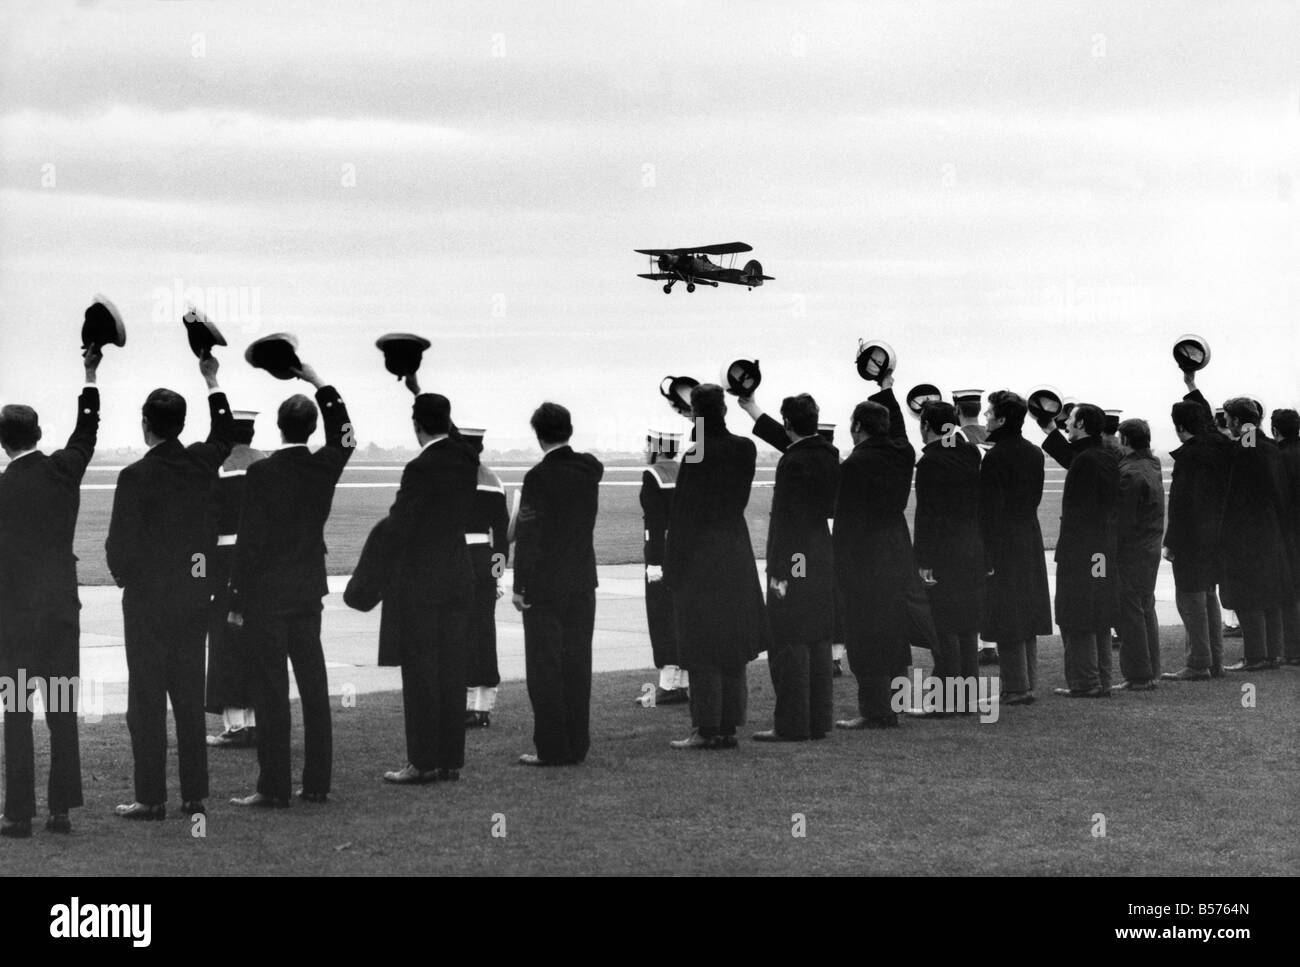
753,273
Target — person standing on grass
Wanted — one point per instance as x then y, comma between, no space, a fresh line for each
40,630
277,584
1286,431
721,623
658,485
1140,525
1256,574
885,604
1018,604
1196,493
162,533
1085,550
555,589
800,570
949,549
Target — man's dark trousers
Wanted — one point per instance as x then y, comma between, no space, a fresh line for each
275,640
435,731
557,653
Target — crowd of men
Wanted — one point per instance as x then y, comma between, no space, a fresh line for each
219,549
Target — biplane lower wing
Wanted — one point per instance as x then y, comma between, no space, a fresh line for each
657,276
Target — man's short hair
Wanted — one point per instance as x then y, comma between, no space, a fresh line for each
1191,417
164,412
709,403
20,427
432,413
243,432
969,409
297,419
1092,417
1243,410
938,416
552,423
1286,424
1009,407
1136,433
801,412
871,418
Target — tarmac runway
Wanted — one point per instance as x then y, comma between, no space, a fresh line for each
351,638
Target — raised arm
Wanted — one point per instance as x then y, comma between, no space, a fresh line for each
887,399
221,437
340,438
73,459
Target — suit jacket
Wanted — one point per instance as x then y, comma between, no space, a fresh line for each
164,525
39,499
658,486
948,531
874,563
1140,520
554,553
798,540
279,565
1256,571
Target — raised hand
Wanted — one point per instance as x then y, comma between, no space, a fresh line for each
208,366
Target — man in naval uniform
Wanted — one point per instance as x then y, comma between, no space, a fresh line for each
489,545
658,484
230,692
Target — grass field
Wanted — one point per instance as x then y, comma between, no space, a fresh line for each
358,504
1188,781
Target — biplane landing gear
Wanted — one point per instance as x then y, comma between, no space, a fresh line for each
668,289
690,286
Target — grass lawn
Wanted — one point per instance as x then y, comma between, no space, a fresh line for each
1189,782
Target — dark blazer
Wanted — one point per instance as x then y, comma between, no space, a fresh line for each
948,531
554,554
1196,490
1140,519
874,563
1017,603
1086,550
710,565
798,539
39,500
280,557
165,513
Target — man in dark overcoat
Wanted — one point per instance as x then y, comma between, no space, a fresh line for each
40,623
800,570
874,563
1086,553
721,621
1017,604
949,549
1139,528
1286,431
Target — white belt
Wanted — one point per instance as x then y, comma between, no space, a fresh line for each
226,540
477,539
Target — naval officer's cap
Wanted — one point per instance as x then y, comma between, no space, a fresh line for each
403,352
201,332
276,353
921,394
103,325
1191,353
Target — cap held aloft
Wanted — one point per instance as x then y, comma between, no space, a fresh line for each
276,353
740,377
921,394
875,360
677,391
1191,353
1044,403
403,352
201,332
103,325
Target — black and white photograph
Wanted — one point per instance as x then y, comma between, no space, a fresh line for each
741,439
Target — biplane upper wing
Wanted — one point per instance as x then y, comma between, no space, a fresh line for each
727,248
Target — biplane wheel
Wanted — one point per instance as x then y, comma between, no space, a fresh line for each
668,289
690,286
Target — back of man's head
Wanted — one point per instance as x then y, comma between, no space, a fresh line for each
20,427
552,424
1135,434
1009,407
1243,410
1191,417
432,413
164,413
1286,424
801,412
871,418
297,419
938,417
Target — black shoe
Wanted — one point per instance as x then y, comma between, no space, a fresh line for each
245,738
18,828
314,797
1260,665
1097,692
725,742
772,735
1018,698
449,775
193,808
692,741
140,812
533,759
477,720
1216,671
58,823
1187,675
408,775
988,656
837,668
1232,631
1274,663
1136,685
259,801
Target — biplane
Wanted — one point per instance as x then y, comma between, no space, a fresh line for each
692,266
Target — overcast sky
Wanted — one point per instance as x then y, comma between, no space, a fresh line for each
1009,193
